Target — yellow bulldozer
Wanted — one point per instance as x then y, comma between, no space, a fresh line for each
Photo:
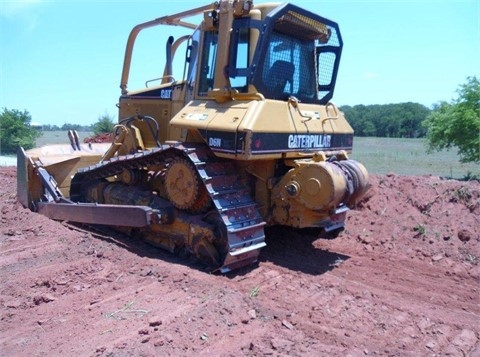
247,139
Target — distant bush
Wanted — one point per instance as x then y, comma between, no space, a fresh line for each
15,131
104,124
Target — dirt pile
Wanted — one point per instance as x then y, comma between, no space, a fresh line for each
100,138
402,280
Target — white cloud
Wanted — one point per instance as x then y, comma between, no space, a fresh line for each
11,8
24,11
370,75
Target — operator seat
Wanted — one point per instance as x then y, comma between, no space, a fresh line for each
279,74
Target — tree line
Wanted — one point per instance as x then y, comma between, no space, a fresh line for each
401,120
389,120
446,125
66,127
104,124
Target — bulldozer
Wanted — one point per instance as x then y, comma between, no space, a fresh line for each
247,139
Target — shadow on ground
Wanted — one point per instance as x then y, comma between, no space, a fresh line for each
295,250
288,248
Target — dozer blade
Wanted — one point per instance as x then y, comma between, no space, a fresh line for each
22,178
106,214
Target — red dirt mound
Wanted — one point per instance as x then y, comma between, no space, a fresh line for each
402,280
100,138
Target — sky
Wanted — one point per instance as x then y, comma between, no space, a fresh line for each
61,60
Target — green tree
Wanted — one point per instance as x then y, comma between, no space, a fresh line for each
15,131
104,124
457,124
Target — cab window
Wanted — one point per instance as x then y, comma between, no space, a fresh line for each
207,63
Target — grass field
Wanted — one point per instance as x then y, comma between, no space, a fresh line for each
409,157
379,155
59,137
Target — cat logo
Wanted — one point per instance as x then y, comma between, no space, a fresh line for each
166,94
309,141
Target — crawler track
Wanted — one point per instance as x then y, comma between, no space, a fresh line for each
239,226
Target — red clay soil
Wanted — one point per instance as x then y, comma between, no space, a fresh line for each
402,280
100,138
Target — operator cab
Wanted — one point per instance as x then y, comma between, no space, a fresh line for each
281,52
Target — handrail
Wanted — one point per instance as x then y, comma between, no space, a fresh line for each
173,20
160,78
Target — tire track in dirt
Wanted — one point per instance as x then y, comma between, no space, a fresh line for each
93,298
420,281
369,297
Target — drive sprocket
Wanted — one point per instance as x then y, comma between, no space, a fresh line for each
184,188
